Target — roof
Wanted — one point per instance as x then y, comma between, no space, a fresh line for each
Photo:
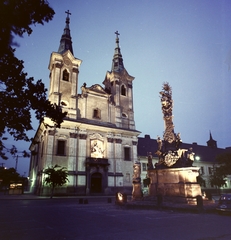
206,153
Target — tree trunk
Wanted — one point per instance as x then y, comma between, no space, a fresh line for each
52,191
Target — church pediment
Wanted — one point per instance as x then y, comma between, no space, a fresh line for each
97,88
69,58
66,59
126,76
119,75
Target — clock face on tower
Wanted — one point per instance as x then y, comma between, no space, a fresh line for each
67,61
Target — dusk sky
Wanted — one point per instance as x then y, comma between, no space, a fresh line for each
184,42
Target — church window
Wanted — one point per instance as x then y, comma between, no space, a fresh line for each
96,113
61,147
124,115
127,154
123,90
65,75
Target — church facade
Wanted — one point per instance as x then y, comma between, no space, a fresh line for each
97,141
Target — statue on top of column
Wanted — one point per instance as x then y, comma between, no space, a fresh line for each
169,152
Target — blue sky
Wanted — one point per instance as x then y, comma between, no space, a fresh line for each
184,42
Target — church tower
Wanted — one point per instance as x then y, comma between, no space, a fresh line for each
211,142
119,84
64,70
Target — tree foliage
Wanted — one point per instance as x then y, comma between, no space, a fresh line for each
8,175
19,94
217,178
57,176
223,168
200,180
224,160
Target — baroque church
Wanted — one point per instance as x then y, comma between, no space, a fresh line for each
97,141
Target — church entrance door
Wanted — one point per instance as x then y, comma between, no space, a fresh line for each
96,183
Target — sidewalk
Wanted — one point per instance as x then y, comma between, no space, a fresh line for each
31,196
208,206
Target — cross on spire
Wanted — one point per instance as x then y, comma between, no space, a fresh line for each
117,34
68,13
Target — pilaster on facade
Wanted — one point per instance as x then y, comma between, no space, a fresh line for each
130,96
134,150
72,152
82,154
50,148
117,93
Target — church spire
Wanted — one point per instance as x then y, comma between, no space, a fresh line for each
65,42
117,62
211,142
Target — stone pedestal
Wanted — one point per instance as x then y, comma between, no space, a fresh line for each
177,183
137,192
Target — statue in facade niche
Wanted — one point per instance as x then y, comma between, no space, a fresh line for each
169,152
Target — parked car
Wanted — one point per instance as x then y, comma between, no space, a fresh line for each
224,204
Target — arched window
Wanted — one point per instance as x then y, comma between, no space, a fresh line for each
65,75
123,90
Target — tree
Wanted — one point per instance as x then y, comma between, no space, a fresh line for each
223,168
200,180
57,176
8,175
217,178
19,94
224,160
